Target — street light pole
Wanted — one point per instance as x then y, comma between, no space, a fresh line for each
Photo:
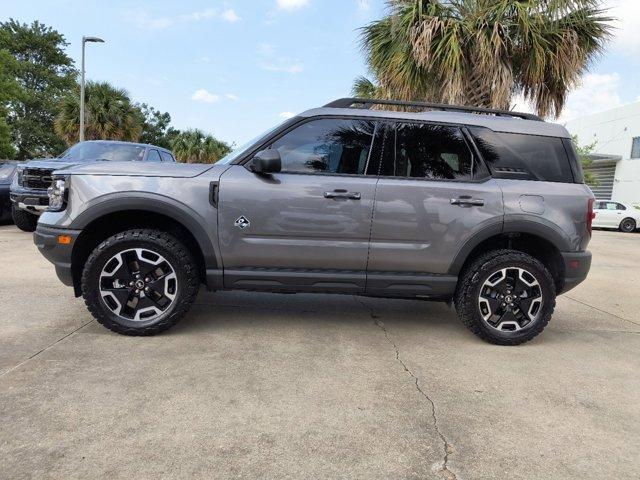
84,40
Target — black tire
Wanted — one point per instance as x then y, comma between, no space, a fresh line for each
628,225
173,250
472,280
25,221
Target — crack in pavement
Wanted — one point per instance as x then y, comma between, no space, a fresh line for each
443,468
47,347
601,310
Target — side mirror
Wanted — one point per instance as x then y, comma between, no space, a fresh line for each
266,161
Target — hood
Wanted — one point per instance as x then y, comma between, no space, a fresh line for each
140,169
52,163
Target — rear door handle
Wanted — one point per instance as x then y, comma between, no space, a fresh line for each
343,194
467,201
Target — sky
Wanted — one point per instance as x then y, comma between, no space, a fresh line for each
235,68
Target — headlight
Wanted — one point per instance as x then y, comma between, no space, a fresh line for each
17,178
58,194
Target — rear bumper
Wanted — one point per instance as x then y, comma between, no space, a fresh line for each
576,268
46,239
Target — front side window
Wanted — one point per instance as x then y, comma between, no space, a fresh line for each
429,151
339,146
635,147
167,157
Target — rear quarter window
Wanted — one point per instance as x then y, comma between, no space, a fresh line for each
524,157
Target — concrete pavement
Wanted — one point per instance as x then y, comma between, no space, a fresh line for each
268,386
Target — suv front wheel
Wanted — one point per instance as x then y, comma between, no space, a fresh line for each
140,282
505,297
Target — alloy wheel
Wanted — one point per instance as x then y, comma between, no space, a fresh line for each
138,284
510,299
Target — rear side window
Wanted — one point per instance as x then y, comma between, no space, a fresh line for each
429,151
525,157
167,157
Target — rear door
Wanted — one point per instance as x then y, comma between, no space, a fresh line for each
307,227
432,197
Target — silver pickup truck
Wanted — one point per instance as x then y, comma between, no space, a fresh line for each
484,208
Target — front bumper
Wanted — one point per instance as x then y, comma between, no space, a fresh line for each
33,201
576,268
46,239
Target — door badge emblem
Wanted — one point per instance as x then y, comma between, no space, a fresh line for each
242,222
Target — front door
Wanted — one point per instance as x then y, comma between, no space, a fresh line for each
429,202
307,227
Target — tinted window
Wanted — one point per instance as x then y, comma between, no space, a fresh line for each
620,207
153,156
327,146
436,152
167,157
527,157
635,147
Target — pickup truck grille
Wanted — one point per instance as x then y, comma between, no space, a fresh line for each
38,178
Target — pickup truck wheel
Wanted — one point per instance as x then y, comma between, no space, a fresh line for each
25,221
140,282
505,297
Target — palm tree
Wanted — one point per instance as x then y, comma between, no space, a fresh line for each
483,52
109,115
195,146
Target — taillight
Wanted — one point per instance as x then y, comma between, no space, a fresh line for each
590,215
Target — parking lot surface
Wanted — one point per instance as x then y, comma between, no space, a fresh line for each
270,386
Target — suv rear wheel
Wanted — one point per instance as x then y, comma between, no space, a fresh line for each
25,221
505,297
140,282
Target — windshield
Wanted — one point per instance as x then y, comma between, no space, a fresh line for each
91,151
238,151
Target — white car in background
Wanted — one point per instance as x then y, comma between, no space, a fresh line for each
610,214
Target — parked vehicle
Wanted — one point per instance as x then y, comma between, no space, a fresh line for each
7,170
485,208
610,214
29,189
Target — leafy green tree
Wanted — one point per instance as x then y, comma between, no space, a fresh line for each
44,74
109,114
483,52
195,146
583,152
9,90
156,128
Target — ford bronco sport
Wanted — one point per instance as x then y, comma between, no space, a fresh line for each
485,208
29,188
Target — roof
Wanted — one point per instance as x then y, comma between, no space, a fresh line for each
497,120
122,142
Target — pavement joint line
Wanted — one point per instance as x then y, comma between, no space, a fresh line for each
601,310
47,347
448,448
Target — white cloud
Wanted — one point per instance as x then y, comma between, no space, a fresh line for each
292,4
205,59
266,49
286,115
205,96
363,4
597,92
229,15
231,97
626,26
196,16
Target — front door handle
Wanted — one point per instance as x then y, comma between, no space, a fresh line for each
467,201
343,194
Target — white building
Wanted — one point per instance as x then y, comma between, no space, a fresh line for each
616,156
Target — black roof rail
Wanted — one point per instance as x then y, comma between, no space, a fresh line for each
369,102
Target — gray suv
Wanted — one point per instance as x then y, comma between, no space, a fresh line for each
483,208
